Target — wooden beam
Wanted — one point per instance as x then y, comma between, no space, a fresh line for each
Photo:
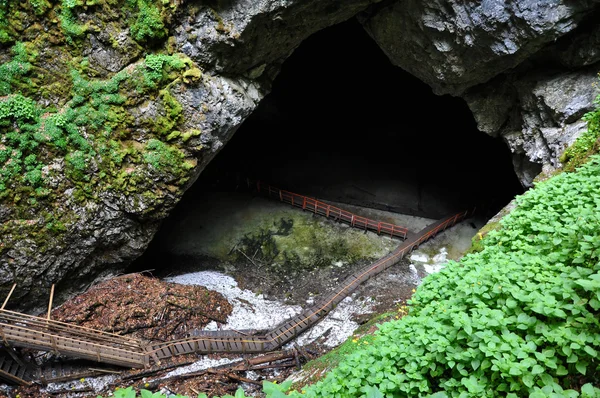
9,294
50,303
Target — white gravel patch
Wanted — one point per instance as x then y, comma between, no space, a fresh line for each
265,314
98,384
250,310
338,322
202,364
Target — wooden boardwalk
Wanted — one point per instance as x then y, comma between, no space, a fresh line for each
20,330
233,342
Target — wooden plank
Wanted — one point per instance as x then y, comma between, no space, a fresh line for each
17,333
8,297
71,328
108,355
13,379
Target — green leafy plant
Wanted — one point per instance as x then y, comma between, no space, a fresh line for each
587,144
131,393
518,318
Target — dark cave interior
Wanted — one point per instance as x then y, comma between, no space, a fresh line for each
342,123
345,125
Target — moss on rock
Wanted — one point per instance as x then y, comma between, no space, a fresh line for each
79,133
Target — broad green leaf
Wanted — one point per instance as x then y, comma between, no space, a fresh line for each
587,390
537,369
528,380
372,392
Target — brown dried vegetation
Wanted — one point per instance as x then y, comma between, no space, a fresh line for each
145,307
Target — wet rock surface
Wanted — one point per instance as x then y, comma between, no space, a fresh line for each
538,115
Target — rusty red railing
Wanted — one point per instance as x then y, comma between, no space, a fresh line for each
329,211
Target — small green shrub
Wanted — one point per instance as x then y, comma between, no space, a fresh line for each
158,66
18,163
17,67
165,158
40,6
149,24
4,29
68,22
587,144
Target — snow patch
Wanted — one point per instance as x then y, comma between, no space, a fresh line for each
250,310
202,364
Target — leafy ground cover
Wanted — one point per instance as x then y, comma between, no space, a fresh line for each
519,318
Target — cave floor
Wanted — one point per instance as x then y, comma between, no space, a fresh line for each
200,254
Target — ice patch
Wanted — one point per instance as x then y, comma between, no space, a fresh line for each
202,364
338,322
250,310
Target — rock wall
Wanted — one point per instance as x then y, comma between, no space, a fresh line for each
123,105
109,111
507,60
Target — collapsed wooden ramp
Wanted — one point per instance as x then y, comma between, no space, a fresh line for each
13,370
26,331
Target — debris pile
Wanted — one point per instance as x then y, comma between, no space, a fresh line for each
145,307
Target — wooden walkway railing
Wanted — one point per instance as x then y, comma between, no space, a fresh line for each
232,342
329,211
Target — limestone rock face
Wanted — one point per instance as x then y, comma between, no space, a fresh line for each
108,232
149,117
246,36
456,44
131,104
538,115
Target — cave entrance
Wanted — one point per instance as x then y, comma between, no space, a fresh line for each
344,125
